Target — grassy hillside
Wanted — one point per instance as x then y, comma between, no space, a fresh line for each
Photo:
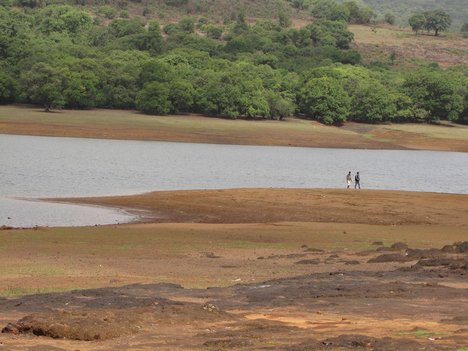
402,9
377,44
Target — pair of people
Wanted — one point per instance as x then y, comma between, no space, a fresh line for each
357,180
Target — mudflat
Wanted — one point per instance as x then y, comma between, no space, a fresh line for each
244,269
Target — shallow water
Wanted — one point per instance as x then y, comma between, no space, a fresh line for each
33,167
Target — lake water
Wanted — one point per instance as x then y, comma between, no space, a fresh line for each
33,167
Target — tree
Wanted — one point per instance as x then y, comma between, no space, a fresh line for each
359,15
7,88
373,103
464,30
437,20
154,99
64,18
417,22
280,106
43,85
284,20
436,93
325,100
213,31
330,10
390,18
187,25
154,40
181,94
299,4
80,89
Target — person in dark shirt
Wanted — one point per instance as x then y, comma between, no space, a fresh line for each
357,181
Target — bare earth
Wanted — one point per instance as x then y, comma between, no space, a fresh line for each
289,269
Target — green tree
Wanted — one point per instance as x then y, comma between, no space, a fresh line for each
373,103
7,88
64,18
80,89
181,95
213,31
437,21
390,18
284,20
325,100
154,42
43,85
357,14
464,30
154,99
280,106
330,10
187,25
436,93
417,22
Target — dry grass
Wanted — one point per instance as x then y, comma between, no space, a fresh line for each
185,253
179,253
119,124
378,43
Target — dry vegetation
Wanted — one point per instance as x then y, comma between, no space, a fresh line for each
378,44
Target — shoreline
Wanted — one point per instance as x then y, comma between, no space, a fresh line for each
223,206
130,125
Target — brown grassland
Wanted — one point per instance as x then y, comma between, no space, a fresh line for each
377,43
118,124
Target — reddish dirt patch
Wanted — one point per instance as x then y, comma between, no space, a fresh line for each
298,205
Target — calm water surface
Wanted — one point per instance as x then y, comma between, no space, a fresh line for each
34,167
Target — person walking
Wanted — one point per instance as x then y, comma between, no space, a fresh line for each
357,181
348,179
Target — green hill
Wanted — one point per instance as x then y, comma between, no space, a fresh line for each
177,56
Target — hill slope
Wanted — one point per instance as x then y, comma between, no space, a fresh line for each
403,9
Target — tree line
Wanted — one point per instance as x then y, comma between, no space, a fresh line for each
64,56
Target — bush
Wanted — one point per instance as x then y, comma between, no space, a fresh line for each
176,3
107,11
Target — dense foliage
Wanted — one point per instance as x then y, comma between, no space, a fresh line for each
64,56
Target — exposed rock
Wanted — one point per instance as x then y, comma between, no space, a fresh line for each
395,257
311,249
461,246
351,262
77,325
399,246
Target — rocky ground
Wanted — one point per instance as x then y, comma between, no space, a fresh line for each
400,298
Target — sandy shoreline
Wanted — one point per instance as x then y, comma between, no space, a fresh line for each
385,207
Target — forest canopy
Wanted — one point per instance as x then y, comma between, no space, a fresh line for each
67,56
